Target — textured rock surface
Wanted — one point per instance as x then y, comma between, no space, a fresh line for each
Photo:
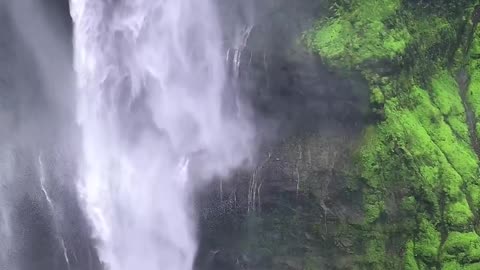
417,168
402,193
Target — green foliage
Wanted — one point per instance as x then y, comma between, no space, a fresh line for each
410,261
427,242
415,146
409,205
422,149
473,190
431,45
377,98
473,266
359,35
463,248
374,206
473,94
458,214
375,253
418,135
447,99
453,265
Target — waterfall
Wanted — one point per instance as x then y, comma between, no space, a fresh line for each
51,206
156,119
7,246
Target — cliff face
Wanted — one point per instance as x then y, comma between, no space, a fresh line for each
399,186
417,167
289,211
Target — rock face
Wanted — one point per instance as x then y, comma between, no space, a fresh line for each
287,212
418,165
394,188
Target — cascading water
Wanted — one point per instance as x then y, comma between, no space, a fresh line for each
51,206
6,245
152,106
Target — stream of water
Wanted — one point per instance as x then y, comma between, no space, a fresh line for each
156,118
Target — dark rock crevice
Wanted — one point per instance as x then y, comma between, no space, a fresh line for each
463,83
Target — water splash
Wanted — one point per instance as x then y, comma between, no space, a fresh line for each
151,105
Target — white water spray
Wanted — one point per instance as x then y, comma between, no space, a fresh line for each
151,95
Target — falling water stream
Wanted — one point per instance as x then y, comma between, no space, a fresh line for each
51,206
6,245
156,118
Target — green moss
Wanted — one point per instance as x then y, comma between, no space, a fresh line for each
421,151
428,242
447,98
410,261
359,35
424,137
374,206
374,10
333,40
457,152
473,92
458,214
418,143
474,193
409,205
415,146
375,254
452,266
463,248
377,97
473,266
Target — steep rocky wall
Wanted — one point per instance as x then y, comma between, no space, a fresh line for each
417,169
285,212
398,192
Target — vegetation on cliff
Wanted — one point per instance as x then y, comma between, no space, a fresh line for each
417,168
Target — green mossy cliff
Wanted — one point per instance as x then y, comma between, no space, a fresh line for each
418,166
